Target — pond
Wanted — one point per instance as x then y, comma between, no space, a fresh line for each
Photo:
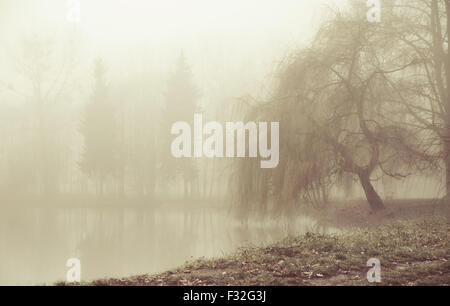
35,243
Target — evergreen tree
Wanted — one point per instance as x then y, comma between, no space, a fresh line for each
181,104
99,129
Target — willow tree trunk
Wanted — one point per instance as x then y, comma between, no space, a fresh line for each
372,196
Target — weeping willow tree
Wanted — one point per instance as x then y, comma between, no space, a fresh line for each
333,102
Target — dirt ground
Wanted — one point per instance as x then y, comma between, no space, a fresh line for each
357,213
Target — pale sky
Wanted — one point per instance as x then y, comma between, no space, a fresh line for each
122,21
216,35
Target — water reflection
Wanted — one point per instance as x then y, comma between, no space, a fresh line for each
114,242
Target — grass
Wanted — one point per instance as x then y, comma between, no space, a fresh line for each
410,252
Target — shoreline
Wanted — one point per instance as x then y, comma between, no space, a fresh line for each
412,252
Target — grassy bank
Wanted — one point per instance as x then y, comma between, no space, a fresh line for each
411,253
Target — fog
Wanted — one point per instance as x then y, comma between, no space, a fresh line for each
88,96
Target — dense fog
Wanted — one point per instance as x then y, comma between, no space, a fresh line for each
89,94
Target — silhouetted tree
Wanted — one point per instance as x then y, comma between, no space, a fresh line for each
99,129
336,118
421,30
39,129
181,104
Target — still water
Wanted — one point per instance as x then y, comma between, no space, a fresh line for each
35,243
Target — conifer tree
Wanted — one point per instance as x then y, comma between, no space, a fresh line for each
99,158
